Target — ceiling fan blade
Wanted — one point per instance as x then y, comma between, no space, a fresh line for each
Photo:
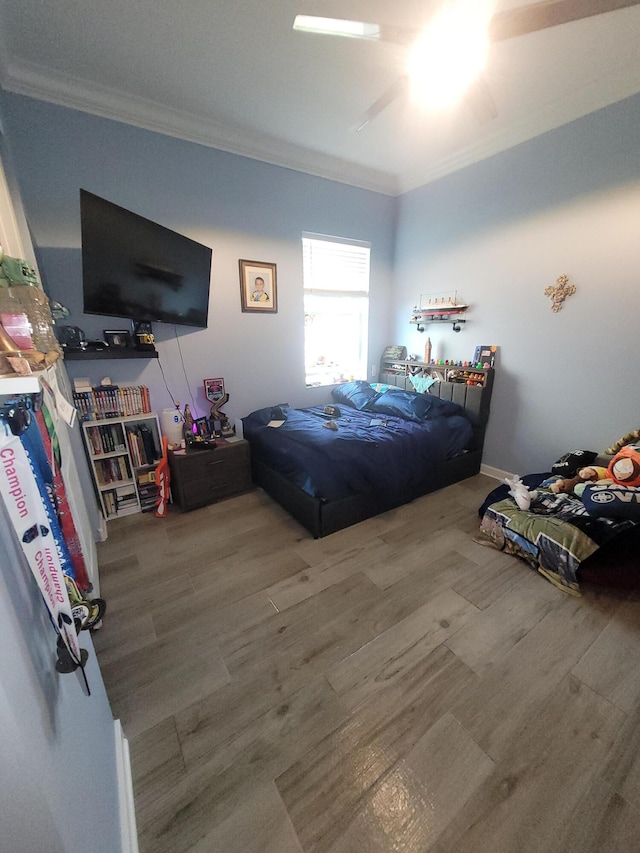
396,89
549,13
479,100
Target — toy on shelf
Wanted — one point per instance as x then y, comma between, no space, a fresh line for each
439,308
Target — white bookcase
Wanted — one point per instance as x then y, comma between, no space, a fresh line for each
123,453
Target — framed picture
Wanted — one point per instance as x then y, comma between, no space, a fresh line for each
202,427
485,355
117,338
258,287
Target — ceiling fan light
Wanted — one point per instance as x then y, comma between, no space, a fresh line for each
450,54
336,27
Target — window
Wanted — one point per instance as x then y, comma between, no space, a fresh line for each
336,309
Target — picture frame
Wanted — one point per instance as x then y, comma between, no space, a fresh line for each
117,338
202,427
258,287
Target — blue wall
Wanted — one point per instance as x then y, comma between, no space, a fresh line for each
58,786
499,233
502,231
240,207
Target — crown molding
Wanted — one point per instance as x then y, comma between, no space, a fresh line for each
27,78
595,96
35,81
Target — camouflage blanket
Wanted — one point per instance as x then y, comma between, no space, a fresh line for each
554,535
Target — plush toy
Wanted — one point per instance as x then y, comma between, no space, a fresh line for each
591,474
520,493
569,464
630,438
612,501
624,468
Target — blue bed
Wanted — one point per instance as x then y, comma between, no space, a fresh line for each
331,478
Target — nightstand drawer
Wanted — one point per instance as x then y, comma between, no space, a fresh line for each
221,483
211,464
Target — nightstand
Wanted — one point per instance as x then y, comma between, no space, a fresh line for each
200,477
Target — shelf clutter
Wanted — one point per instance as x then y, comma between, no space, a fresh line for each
455,373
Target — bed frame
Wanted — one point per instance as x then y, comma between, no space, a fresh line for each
322,517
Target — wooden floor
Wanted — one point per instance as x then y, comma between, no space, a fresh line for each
392,687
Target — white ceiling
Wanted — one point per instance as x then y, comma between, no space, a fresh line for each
233,74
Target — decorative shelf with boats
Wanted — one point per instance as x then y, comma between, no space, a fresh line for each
439,309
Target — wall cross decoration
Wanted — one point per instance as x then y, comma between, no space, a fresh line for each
560,292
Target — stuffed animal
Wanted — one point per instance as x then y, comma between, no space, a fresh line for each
630,438
591,474
624,468
520,493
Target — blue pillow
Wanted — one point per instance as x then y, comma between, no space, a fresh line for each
261,417
612,501
355,394
412,406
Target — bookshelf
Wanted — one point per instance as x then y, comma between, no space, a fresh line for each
123,453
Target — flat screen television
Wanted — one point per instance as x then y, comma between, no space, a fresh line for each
137,269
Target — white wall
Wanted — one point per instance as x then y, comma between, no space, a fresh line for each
501,232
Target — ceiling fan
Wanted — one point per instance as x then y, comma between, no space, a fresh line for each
508,24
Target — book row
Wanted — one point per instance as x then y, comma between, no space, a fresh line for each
142,445
112,470
112,402
119,499
105,439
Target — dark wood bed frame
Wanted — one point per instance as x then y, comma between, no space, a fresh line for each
322,517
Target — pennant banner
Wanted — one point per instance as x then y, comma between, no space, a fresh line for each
22,498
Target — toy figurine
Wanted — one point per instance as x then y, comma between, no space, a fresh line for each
187,427
591,474
520,493
220,422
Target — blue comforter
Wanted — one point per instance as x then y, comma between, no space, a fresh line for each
359,457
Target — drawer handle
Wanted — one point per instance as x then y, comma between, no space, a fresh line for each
218,486
216,462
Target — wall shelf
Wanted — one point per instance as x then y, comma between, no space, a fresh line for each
439,314
391,369
94,355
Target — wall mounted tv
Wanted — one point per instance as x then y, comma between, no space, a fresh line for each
135,268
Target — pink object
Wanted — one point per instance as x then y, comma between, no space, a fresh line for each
18,327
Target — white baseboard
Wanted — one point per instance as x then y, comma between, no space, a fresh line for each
101,532
128,829
496,473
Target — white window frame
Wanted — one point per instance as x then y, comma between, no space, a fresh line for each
339,278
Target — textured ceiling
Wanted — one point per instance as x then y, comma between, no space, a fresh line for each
236,76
